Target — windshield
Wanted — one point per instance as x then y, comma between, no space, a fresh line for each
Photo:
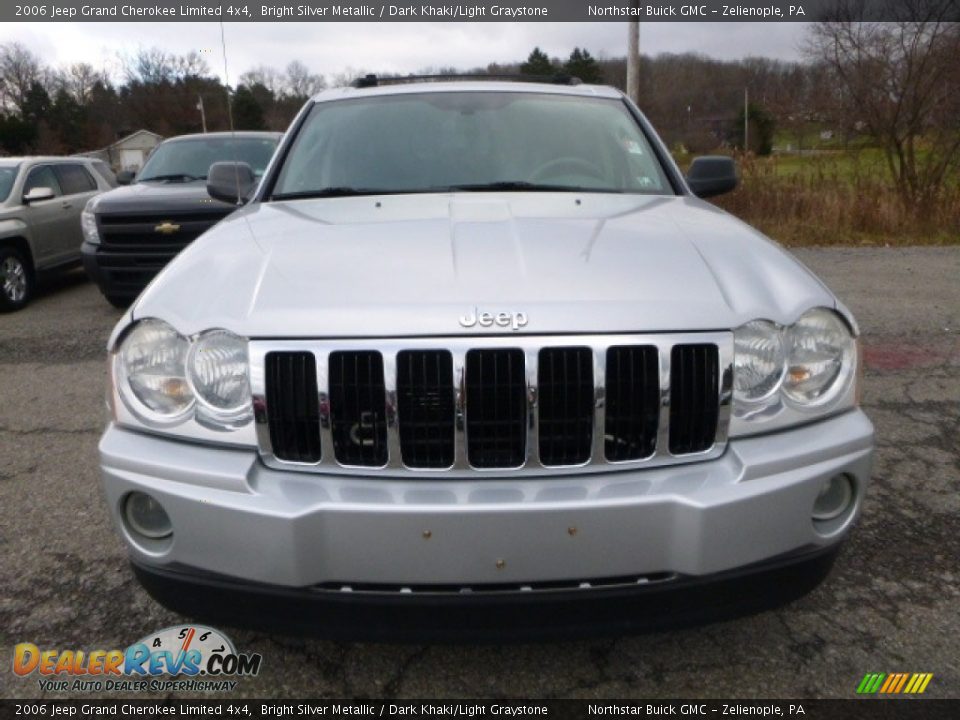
186,160
474,141
8,173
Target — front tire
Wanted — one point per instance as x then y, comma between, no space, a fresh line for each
16,280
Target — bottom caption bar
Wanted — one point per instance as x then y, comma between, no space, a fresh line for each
827,709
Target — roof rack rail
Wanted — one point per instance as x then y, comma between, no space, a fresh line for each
374,81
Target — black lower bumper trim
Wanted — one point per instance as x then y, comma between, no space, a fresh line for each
488,617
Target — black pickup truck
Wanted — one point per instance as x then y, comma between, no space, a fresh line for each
132,232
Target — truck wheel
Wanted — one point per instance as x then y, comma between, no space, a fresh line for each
16,280
121,302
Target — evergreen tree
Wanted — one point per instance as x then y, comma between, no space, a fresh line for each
581,64
762,126
247,113
537,64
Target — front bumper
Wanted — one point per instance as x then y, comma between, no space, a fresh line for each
234,517
492,615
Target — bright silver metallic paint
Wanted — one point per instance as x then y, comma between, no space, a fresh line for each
232,515
388,272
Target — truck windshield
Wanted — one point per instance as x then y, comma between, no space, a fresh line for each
190,159
8,173
470,141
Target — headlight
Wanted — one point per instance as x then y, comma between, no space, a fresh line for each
784,376
217,369
88,222
759,360
821,357
197,387
152,373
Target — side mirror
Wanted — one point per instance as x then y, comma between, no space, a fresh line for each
37,194
231,182
712,175
125,177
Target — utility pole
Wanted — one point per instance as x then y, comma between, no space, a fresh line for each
203,115
633,59
746,120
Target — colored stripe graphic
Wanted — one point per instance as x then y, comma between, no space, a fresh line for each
894,683
918,683
903,680
870,683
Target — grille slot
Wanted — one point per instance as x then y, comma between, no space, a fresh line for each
292,408
425,408
694,398
632,402
496,408
566,403
358,408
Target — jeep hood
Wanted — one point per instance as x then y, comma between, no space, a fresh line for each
412,265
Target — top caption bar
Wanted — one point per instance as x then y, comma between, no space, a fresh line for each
501,11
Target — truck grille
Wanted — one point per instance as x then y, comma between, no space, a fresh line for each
566,405
533,405
425,402
292,405
132,251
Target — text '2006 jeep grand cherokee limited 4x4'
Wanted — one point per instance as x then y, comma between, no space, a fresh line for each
475,361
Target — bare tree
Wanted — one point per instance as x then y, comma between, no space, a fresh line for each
19,70
154,66
301,82
79,79
901,82
266,76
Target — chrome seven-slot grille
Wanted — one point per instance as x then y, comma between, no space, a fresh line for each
473,404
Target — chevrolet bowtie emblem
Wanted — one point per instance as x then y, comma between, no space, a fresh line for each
166,228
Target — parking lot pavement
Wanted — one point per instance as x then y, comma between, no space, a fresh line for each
890,605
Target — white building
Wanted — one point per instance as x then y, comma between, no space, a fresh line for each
128,153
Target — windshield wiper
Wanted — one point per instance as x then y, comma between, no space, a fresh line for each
342,191
182,177
516,185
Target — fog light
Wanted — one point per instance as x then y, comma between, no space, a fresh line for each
146,516
836,495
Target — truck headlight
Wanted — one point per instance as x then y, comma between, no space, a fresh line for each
784,376
821,357
197,387
151,370
759,360
88,221
218,372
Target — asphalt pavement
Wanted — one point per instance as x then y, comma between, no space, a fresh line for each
891,604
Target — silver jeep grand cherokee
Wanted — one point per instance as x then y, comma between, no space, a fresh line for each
475,361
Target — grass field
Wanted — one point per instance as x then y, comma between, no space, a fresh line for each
835,197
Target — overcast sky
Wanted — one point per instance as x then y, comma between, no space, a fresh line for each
330,48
